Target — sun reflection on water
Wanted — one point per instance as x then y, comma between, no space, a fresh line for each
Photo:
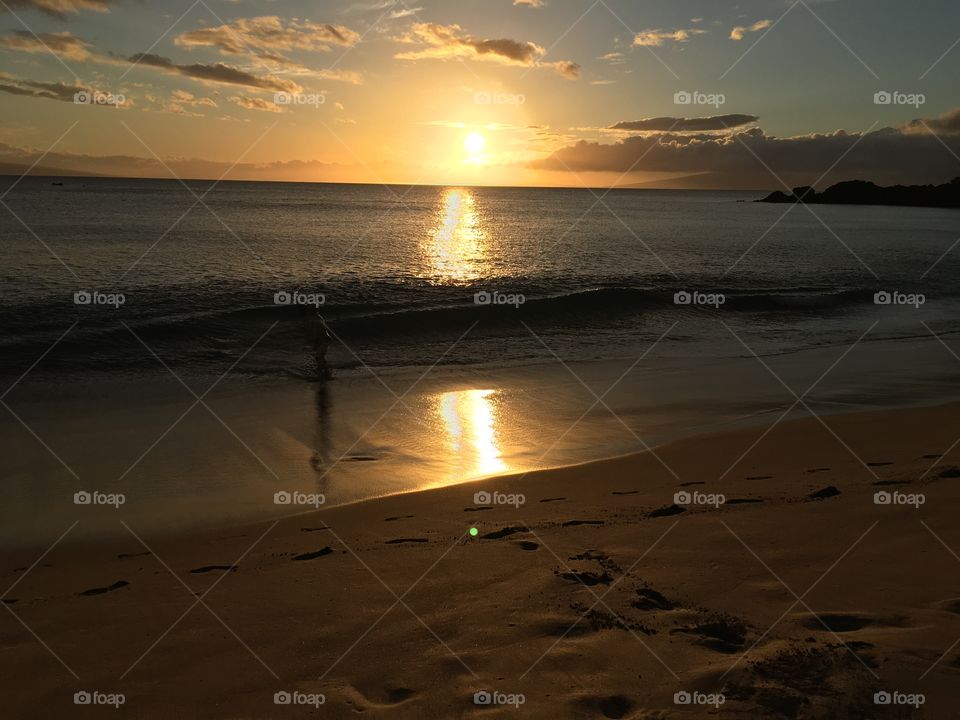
458,247
470,418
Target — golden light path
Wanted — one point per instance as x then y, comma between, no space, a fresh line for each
458,248
469,418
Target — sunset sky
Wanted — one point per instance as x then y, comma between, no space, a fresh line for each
525,92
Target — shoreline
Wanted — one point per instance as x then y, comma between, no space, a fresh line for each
293,605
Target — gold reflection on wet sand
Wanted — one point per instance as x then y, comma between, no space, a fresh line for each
458,246
469,418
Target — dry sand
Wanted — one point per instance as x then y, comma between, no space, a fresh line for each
585,600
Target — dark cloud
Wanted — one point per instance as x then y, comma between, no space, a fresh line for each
58,8
217,72
30,88
670,124
906,154
449,41
61,43
946,124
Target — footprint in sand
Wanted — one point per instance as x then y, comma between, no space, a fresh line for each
667,511
950,472
401,541
314,529
9,601
575,523
379,697
124,556
759,477
311,555
845,622
505,532
609,706
211,568
625,492
879,464
477,509
650,599
932,456
743,501
824,493
528,545
109,588
695,482
588,577
723,633
397,517
553,499
817,470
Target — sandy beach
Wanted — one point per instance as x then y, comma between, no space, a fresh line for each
784,587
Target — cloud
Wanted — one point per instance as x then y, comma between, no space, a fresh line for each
738,32
902,154
265,39
266,35
946,124
679,125
255,103
530,3
656,38
50,91
217,73
62,43
448,41
58,8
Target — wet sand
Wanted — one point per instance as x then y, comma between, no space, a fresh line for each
598,595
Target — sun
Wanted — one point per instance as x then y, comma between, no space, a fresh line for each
474,145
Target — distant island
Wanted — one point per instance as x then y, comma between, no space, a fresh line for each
860,192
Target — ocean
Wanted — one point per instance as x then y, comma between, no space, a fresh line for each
472,328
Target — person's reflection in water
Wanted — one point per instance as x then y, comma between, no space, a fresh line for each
318,339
